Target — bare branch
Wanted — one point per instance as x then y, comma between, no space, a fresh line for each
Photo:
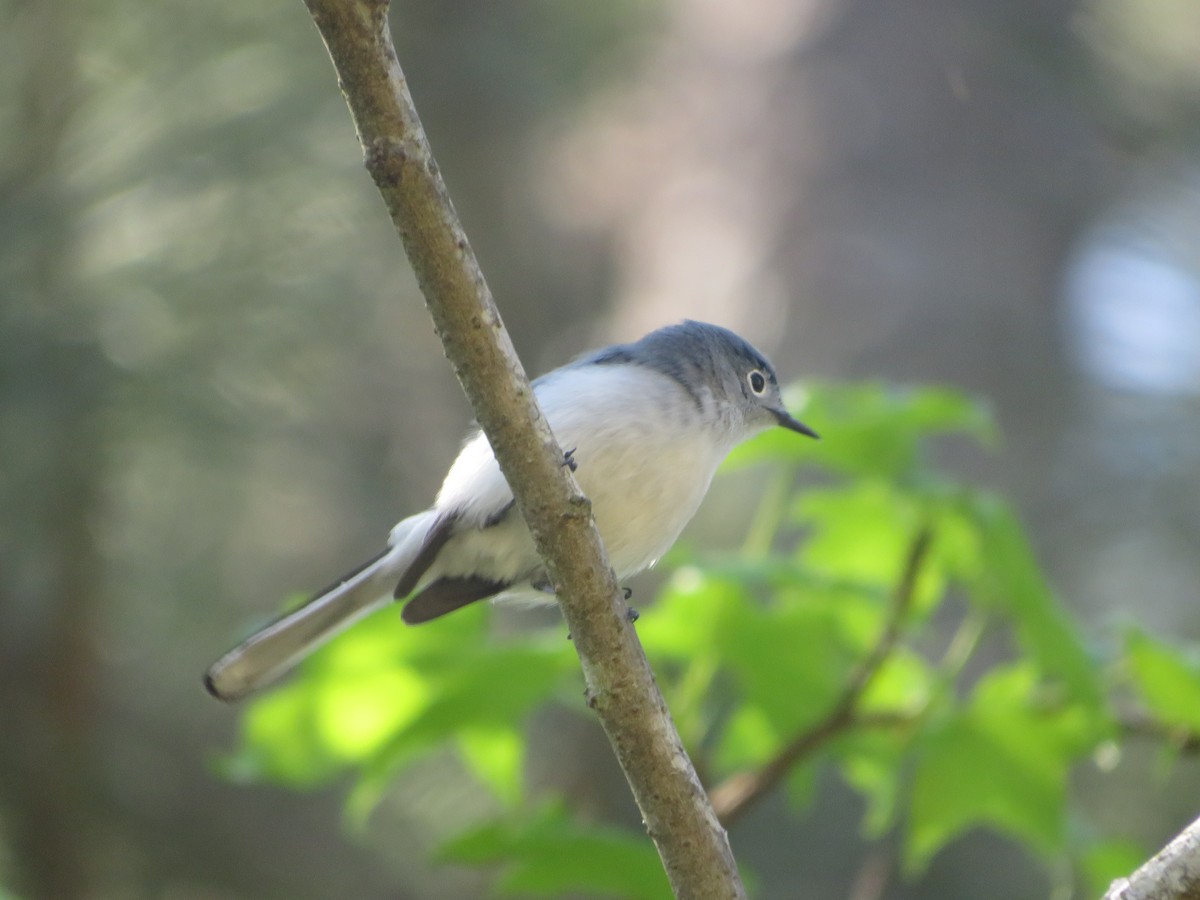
1173,874
620,685
736,794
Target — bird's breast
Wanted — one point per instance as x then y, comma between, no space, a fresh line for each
646,465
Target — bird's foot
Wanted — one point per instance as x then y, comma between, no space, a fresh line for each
631,614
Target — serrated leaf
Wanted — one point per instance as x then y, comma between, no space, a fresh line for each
1002,762
964,779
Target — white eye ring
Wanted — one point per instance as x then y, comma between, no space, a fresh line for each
758,382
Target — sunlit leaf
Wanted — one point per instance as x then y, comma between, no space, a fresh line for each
282,742
494,687
860,532
903,683
384,692
753,651
341,707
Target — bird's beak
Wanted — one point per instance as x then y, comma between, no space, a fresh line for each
793,424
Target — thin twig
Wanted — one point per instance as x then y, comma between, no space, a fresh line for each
1181,740
873,875
620,685
736,794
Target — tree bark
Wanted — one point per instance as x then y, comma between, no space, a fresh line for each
1173,874
620,685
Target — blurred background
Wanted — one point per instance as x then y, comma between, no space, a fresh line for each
219,386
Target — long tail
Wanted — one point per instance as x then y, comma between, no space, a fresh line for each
272,651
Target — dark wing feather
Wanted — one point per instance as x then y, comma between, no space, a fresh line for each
448,594
435,540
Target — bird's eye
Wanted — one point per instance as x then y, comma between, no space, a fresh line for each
758,382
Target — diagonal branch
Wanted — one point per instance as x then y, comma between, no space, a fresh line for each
737,793
621,688
1172,874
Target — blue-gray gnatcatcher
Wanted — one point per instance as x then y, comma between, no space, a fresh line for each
645,426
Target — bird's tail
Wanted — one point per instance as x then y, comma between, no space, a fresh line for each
273,650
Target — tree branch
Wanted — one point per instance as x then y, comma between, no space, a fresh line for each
737,793
1173,874
620,685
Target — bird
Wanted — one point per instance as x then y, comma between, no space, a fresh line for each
646,423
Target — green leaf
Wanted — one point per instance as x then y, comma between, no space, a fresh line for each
872,758
342,706
788,664
489,688
868,429
496,756
690,613
964,778
494,686
547,853
1105,861
384,692
1167,679
1003,762
871,761
1011,581
749,738
792,659
861,533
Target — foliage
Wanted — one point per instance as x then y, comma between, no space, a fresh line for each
755,651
